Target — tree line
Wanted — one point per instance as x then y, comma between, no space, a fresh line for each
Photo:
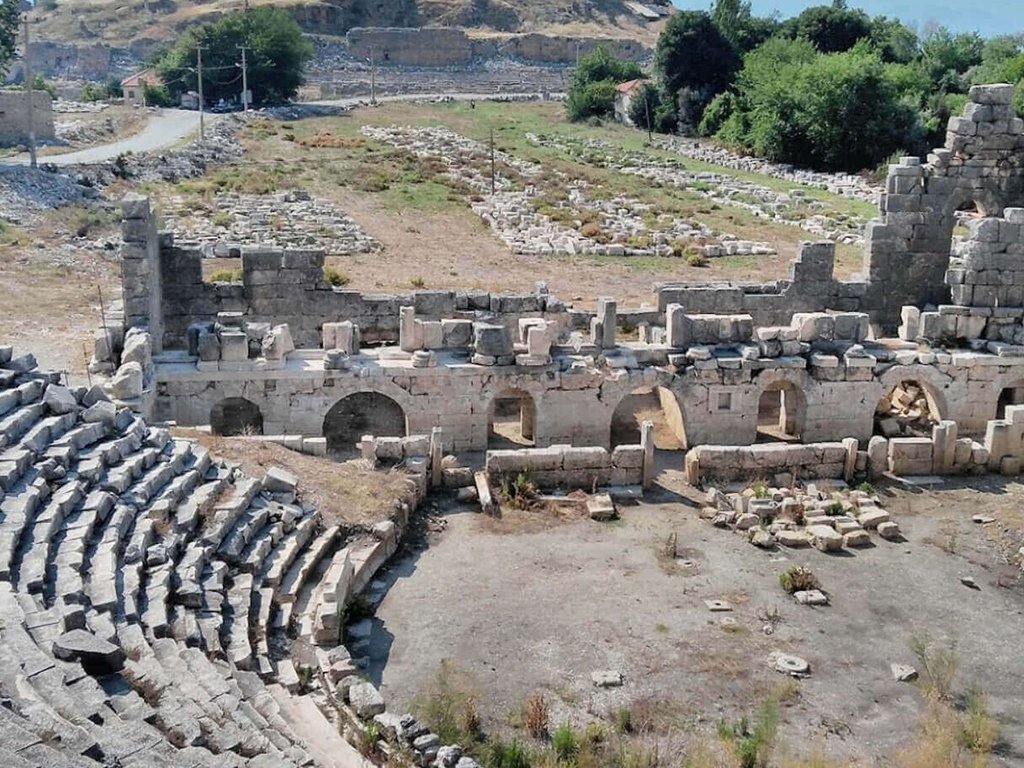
831,88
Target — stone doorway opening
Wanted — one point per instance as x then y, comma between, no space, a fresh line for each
512,420
655,404
1012,395
781,411
362,413
235,416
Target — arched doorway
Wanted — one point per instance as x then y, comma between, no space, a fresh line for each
654,404
362,413
1011,395
512,420
910,409
236,416
781,410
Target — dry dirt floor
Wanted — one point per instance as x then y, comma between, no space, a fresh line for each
525,606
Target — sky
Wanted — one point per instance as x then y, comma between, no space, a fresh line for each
989,17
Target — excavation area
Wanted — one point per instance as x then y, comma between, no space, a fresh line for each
539,604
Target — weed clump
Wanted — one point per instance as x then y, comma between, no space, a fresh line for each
535,716
336,277
798,579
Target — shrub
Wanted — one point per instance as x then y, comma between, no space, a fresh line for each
753,747
535,716
520,492
798,579
418,282
696,259
624,720
226,276
979,731
500,754
448,706
336,277
565,742
221,219
939,665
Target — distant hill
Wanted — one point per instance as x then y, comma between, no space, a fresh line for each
145,24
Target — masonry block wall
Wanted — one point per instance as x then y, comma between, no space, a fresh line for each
14,116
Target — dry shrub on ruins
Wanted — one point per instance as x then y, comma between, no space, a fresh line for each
448,706
938,666
330,141
951,739
798,579
519,492
535,716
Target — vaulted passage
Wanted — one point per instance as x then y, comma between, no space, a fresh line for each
654,404
363,413
513,420
236,416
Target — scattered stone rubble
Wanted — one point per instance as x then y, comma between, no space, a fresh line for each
793,207
26,193
845,184
518,214
794,517
65,106
905,411
288,219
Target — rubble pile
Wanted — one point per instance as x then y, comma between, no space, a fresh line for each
905,412
794,517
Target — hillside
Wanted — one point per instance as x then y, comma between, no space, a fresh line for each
144,24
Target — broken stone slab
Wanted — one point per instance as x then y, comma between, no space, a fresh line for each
365,700
857,538
902,673
793,539
280,480
759,537
825,538
606,678
811,597
718,606
602,508
889,531
97,656
59,400
872,518
126,384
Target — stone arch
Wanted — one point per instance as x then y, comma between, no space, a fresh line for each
236,416
362,413
910,407
649,403
781,412
512,419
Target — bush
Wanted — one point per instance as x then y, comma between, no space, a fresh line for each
336,277
156,96
592,100
753,747
696,258
624,720
519,493
644,108
839,111
939,665
535,716
226,276
798,579
592,90
506,755
221,219
448,706
565,743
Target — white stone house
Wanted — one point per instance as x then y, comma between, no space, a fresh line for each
624,95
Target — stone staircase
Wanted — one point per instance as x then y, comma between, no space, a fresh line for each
142,582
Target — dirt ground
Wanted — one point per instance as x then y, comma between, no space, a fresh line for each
523,610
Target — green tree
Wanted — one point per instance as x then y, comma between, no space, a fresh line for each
694,60
831,28
946,57
646,108
839,111
739,26
10,23
277,56
592,89
894,41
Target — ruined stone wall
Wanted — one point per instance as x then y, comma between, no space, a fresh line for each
288,286
63,60
907,251
14,116
447,46
811,287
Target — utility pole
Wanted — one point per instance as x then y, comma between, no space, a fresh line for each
493,183
199,72
245,79
373,76
28,95
650,128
